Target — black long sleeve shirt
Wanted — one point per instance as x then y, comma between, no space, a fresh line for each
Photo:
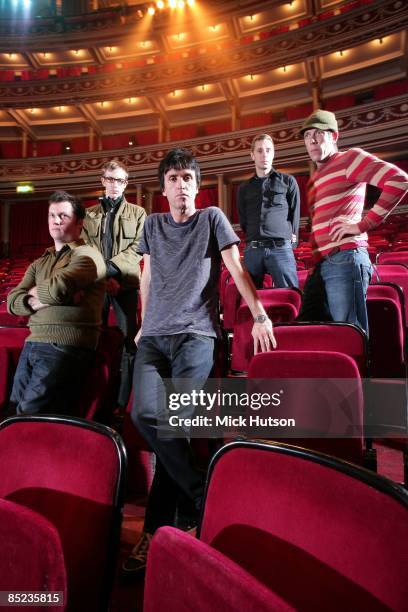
269,207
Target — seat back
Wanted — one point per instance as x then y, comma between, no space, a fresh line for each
339,337
320,533
394,273
387,337
242,343
232,299
329,417
71,472
302,277
31,554
4,376
100,391
214,581
393,257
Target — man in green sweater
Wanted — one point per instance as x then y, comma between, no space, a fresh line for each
63,293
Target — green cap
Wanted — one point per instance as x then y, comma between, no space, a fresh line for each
322,120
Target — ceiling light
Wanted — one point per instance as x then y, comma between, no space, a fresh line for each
160,4
180,4
151,10
190,2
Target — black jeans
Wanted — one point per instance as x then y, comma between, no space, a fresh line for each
125,307
178,482
49,378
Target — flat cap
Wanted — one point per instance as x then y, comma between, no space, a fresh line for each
322,120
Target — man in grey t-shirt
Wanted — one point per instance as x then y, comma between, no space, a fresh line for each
182,253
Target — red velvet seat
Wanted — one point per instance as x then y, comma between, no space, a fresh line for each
4,376
339,337
140,456
387,392
9,319
322,392
31,554
321,534
12,339
387,336
282,305
392,257
302,277
232,300
71,472
393,273
98,396
185,574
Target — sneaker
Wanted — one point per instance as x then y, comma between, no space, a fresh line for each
136,562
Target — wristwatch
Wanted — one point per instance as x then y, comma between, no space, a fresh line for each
261,318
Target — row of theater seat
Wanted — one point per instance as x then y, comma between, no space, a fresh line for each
281,528
61,501
285,529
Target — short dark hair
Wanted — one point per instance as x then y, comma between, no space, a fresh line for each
178,159
114,164
62,196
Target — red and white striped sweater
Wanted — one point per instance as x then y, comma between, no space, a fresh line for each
336,192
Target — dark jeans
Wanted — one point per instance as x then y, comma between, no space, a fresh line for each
278,261
337,289
125,307
177,483
49,378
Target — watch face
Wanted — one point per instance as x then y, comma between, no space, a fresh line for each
260,318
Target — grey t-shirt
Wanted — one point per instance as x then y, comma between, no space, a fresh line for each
185,266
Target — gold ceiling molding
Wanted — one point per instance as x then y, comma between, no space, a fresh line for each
333,34
380,127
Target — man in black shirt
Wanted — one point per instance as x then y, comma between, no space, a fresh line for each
269,210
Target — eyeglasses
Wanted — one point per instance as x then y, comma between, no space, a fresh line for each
112,179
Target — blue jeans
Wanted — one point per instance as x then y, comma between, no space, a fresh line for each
278,261
345,277
49,377
177,481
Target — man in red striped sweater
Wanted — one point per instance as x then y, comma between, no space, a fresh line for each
338,285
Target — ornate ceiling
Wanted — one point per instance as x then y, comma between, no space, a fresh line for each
243,58
118,70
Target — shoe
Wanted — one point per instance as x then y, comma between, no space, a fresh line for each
136,562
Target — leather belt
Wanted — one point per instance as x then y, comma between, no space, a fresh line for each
271,243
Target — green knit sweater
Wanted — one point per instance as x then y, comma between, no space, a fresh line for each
72,284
